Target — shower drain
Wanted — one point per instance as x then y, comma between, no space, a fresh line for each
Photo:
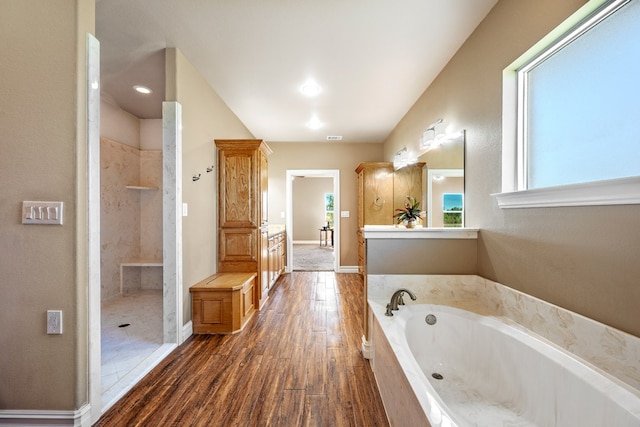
124,325
437,376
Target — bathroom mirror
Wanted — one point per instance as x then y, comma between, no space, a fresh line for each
443,183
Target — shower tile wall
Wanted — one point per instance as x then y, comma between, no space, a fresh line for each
131,220
151,218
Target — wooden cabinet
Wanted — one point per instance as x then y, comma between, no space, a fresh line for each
277,257
375,193
380,191
243,210
375,199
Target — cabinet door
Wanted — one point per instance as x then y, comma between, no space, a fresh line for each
378,195
237,186
407,182
264,188
264,266
238,245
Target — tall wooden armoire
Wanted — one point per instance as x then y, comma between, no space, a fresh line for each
243,210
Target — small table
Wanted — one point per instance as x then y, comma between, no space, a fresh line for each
324,236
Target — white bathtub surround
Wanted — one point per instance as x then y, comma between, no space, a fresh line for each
489,373
612,357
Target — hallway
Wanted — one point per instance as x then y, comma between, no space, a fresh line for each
298,363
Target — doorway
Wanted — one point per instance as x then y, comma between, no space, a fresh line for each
170,301
315,238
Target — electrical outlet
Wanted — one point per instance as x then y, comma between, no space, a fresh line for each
54,322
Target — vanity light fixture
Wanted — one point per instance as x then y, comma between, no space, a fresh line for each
403,158
432,138
142,89
428,138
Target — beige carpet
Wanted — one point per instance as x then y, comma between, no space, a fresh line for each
312,258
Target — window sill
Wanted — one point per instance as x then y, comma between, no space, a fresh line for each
623,191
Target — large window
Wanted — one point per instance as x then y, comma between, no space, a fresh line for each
577,126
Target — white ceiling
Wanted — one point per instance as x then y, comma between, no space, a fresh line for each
372,58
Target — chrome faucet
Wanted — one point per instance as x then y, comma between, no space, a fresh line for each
396,300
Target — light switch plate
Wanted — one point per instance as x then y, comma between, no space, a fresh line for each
46,213
344,214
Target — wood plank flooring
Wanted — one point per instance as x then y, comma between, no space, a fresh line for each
297,363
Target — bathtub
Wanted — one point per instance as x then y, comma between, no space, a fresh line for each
473,369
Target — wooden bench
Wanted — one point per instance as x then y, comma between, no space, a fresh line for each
223,303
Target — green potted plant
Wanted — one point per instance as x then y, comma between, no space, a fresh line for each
411,214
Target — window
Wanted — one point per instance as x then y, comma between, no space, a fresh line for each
328,209
570,121
452,209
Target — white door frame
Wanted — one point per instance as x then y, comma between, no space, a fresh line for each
313,173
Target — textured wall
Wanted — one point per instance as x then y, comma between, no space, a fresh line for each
345,158
43,141
308,207
581,258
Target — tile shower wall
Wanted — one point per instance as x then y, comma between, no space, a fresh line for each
131,219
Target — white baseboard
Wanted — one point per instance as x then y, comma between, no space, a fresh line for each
348,269
306,242
78,418
187,331
366,348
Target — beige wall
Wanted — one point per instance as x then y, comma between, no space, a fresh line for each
581,258
308,206
205,117
345,158
43,141
422,256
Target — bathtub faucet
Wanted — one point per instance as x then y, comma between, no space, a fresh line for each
396,300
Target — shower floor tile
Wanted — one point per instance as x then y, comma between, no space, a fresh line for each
131,332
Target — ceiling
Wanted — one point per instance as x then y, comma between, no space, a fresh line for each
371,58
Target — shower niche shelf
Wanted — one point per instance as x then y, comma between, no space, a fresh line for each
140,187
135,263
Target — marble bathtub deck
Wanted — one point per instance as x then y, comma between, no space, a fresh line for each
125,349
609,350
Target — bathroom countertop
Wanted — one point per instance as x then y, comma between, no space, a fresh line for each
401,232
274,229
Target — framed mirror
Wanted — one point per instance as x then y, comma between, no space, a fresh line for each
443,183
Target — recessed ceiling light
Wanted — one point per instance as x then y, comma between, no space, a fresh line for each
142,89
314,123
334,138
310,88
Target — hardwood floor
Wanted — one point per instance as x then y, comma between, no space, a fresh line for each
297,363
